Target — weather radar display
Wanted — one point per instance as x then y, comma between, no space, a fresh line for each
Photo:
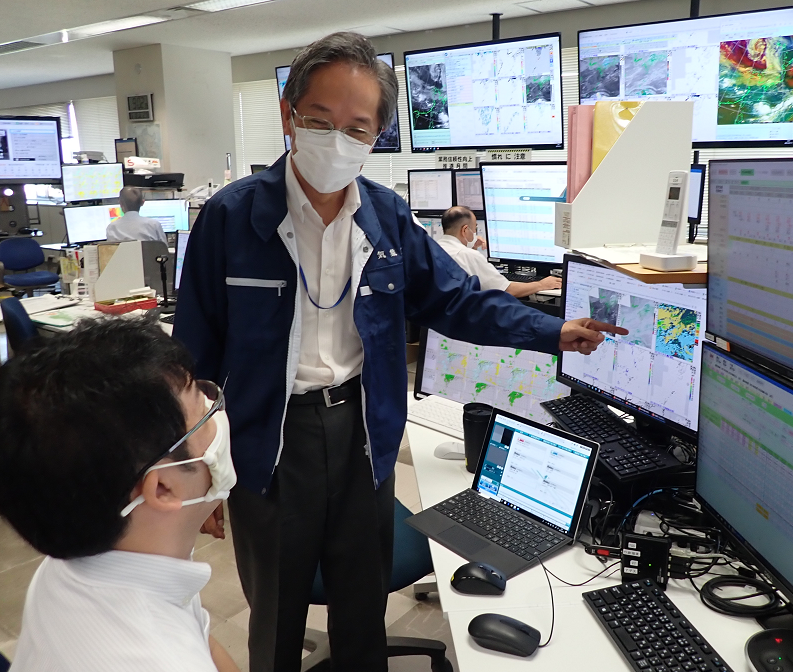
737,69
498,94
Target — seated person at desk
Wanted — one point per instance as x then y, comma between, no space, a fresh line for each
113,456
132,226
460,242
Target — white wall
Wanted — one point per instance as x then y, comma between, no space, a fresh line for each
200,117
58,92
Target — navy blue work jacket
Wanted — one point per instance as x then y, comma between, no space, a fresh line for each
237,313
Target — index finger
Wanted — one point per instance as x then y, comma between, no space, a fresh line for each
595,325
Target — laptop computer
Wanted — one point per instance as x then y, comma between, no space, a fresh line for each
526,500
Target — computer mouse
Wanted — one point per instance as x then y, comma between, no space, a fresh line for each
504,634
770,650
450,450
478,578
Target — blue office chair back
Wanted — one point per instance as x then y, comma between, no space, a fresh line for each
21,254
412,559
19,326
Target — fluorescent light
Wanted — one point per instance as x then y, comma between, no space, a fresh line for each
64,36
222,5
104,27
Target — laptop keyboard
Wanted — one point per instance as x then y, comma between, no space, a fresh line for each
499,524
649,630
168,319
623,451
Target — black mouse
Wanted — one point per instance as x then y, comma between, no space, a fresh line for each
477,578
771,650
504,634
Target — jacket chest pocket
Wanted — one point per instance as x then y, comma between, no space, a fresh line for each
387,279
278,285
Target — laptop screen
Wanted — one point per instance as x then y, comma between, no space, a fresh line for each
535,471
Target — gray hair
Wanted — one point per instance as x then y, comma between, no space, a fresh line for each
131,199
346,48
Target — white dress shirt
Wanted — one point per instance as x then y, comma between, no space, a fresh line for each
134,227
331,351
115,611
473,263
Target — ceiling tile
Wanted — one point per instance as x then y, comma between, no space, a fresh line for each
553,5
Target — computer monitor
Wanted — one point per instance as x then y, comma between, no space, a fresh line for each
744,472
432,225
126,147
520,201
258,167
30,150
181,248
491,94
171,214
653,372
468,190
734,67
389,141
92,181
750,246
696,192
507,378
430,190
88,224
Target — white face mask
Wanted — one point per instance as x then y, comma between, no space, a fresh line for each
329,162
217,458
470,243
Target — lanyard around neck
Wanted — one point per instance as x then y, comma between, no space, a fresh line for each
341,298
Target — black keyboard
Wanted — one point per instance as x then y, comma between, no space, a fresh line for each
649,630
168,319
623,452
509,529
520,277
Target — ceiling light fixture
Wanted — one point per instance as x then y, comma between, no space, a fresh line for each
105,27
222,5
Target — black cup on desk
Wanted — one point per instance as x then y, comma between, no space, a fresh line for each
476,417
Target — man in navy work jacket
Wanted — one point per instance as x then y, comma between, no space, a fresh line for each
294,292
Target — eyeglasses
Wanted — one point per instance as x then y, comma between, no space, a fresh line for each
211,391
323,127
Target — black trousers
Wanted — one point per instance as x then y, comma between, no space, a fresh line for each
323,510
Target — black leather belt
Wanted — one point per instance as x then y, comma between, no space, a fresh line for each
330,396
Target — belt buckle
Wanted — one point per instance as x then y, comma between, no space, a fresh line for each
326,394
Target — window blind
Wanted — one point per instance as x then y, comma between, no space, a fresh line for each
60,110
97,125
257,124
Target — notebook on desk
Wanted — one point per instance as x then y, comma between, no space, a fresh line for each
526,500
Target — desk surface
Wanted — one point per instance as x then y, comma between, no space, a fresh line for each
85,310
578,642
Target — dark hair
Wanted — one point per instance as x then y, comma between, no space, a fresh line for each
80,415
454,216
131,199
347,48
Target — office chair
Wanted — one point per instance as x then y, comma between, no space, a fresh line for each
21,254
5,664
412,561
19,326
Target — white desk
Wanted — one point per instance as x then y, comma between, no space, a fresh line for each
85,310
578,641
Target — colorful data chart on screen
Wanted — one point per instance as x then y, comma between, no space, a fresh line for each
745,457
507,378
656,366
750,256
737,69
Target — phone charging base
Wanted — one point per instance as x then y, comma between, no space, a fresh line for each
668,262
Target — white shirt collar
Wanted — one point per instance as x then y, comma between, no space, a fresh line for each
453,240
297,201
176,581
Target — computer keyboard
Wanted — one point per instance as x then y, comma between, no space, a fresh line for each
520,277
441,415
649,630
503,526
623,452
168,319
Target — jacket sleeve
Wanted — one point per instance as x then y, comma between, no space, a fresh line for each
201,315
441,296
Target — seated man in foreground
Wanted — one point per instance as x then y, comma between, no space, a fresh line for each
113,456
459,242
